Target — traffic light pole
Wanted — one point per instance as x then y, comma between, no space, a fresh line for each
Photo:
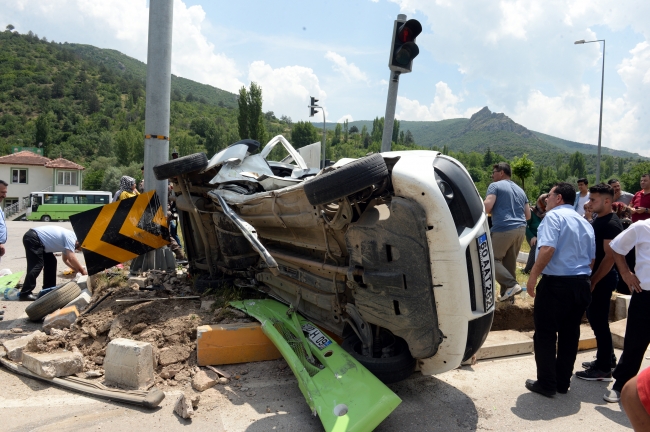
389,117
324,144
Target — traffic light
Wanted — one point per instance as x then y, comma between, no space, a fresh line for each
403,49
313,106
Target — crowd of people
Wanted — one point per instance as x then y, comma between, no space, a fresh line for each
585,245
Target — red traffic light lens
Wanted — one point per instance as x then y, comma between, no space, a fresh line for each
403,36
409,31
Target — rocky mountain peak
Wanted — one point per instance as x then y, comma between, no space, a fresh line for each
486,120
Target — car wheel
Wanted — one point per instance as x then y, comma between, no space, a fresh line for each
52,301
397,367
346,180
46,218
180,166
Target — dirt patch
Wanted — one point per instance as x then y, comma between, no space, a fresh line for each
517,316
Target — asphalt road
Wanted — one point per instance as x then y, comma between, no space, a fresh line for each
487,396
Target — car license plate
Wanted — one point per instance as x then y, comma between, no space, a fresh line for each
486,272
316,336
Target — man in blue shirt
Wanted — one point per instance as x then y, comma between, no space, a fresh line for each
566,249
509,207
40,244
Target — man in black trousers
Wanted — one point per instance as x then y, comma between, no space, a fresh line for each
637,335
566,250
604,280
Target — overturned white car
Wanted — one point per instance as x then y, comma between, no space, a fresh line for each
391,252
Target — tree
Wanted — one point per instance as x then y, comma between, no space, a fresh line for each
523,168
408,138
242,117
105,145
93,103
185,144
377,129
10,27
303,133
630,179
42,133
395,136
577,165
488,158
256,129
621,166
190,97
346,130
354,129
337,134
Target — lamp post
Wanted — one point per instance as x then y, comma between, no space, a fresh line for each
600,122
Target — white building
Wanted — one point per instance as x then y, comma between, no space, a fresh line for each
28,172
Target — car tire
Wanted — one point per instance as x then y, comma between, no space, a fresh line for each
52,301
346,180
180,166
388,370
46,218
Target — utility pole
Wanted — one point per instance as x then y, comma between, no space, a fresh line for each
156,123
312,110
389,117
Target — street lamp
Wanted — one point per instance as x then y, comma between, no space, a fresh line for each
600,122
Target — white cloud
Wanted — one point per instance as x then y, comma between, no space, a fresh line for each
349,70
123,25
347,117
445,105
286,90
523,56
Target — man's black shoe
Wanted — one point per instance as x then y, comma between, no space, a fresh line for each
534,386
28,297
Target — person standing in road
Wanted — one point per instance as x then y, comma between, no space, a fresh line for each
620,195
583,197
509,207
40,245
604,280
3,224
566,250
637,336
536,217
640,204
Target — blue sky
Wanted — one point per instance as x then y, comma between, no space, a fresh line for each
514,56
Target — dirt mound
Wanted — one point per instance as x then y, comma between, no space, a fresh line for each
517,316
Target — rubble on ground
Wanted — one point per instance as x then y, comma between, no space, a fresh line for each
169,326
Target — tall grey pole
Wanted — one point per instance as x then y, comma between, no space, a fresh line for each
156,123
324,144
600,122
389,117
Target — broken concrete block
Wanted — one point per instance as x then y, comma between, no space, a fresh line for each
141,281
84,283
82,301
206,305
184,407
202,381
618,333
51,365
622,305
173,354
60,319
129,364
15,347
504,343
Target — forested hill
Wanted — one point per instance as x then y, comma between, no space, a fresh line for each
496,131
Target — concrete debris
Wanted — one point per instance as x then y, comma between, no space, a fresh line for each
62,318
206,305
84,283
173,354
82,301
51,365
94,374
223,381
15,347
141,281
202,381
129,364
184,407
16,330
171,370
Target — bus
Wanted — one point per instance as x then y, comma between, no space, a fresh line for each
48,206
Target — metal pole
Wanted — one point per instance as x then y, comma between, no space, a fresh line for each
156,124
324,150
600,122
389,117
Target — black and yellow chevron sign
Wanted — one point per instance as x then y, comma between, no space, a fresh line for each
118,232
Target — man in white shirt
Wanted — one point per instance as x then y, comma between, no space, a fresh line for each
637,336
582,196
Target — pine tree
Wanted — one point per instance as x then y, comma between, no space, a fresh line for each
242,118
